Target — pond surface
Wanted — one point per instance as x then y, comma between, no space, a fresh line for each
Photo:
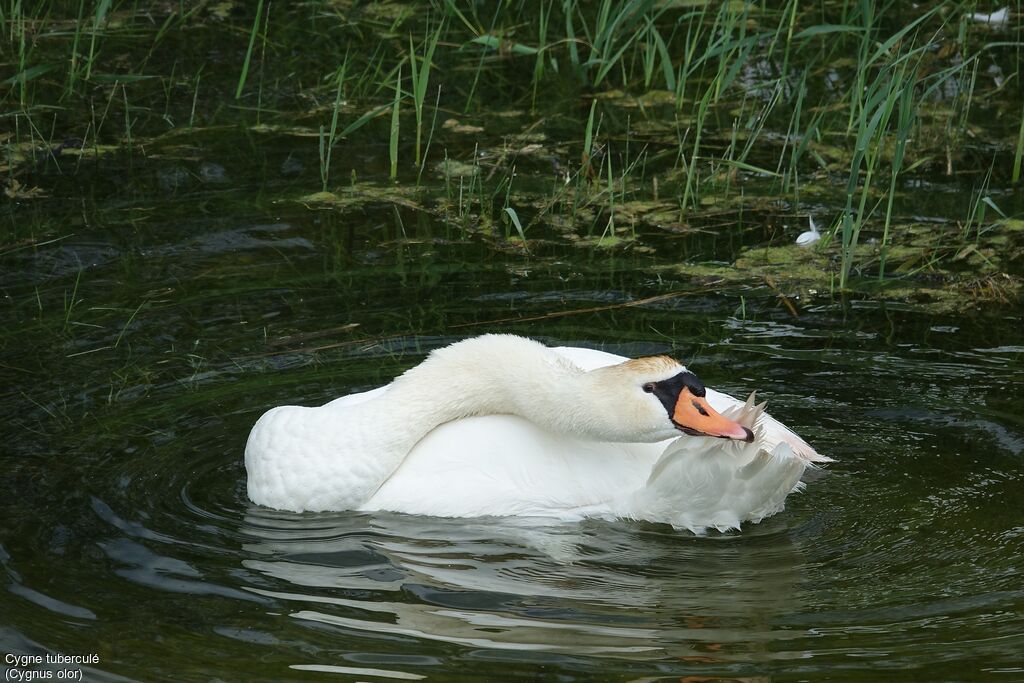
127,531
158,299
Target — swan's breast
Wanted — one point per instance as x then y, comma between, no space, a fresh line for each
298,459
277,451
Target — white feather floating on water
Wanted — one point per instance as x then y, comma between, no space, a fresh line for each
994,19
809,237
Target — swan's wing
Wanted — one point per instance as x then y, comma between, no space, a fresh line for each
701,483
506,465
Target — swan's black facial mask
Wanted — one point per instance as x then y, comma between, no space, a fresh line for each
668,390
684,399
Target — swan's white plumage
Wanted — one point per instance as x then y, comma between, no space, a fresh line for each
499,464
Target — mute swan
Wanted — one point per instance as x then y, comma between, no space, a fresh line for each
503,425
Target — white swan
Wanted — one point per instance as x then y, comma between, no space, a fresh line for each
503,425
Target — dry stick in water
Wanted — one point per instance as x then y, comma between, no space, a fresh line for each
546,316
577,311
785,299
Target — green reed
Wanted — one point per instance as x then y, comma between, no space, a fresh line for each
543,21
1019,153
99,18
327,142
421,80
395,125
248,53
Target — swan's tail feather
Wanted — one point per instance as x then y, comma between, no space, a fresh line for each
769,432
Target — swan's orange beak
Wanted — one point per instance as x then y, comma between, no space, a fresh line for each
696,417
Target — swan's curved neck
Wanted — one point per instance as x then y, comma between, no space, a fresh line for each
490,376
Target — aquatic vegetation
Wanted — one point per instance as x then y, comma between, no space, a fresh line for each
687,109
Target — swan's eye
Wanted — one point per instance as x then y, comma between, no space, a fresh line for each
649,387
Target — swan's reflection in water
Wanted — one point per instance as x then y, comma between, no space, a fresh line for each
598,588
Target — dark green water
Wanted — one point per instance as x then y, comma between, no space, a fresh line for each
126,530
157,299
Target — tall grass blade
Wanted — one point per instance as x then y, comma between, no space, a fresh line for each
248,52
588,141
325,155
514,218
1020,153
99,17
420,82
542,38
393,145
